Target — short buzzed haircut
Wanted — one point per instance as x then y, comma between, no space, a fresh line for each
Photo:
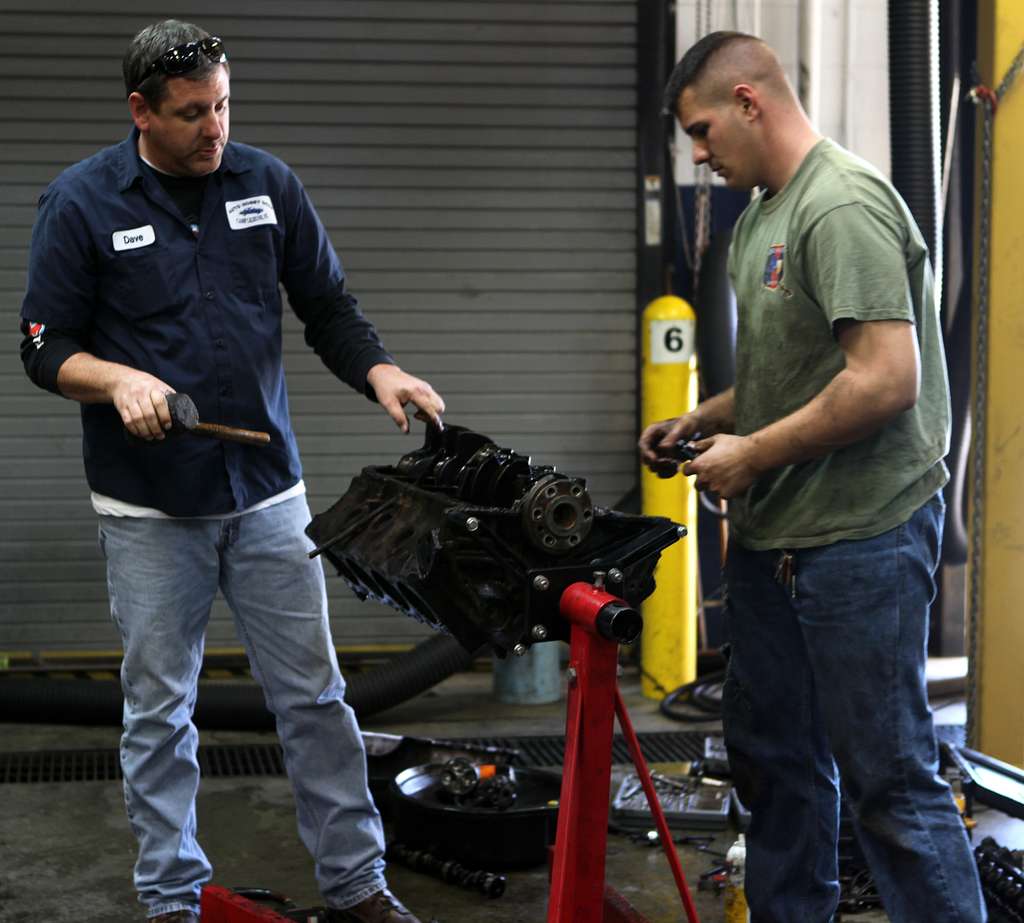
152,42
695,63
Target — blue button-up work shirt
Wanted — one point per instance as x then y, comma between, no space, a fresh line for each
114,264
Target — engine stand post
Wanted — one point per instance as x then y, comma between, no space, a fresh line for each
600,622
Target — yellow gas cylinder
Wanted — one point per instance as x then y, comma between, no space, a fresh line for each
669,388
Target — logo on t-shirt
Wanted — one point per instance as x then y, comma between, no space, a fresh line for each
773,268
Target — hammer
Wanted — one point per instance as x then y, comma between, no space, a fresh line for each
185,419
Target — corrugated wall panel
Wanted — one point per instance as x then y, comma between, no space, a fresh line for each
475,165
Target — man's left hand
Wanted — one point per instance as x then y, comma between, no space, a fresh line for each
395,388
725,465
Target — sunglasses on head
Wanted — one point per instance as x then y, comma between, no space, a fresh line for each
184,58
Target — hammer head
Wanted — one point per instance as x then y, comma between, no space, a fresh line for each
185,419
184,415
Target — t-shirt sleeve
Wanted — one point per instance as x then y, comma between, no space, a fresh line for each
854,261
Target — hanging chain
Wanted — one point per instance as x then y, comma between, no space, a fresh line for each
978,429
693,255
988,100
701,218
702,177
703,13
1011,74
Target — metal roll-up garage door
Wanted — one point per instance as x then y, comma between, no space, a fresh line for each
475,165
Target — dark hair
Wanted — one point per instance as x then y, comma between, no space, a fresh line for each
692,65
148,45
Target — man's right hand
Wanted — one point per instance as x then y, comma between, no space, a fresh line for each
657,443
140,400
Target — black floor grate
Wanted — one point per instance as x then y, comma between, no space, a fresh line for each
227,761
235,760
60,766
222,761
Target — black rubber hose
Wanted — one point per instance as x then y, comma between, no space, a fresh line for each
913,114
701,700
913,111
230,705
716,318
958,360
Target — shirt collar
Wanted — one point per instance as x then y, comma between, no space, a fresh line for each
234,160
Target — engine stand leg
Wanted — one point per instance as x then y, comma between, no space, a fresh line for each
578,892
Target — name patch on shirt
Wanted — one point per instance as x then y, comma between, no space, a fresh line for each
247,213
134,238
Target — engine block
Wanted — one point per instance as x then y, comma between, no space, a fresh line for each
475,540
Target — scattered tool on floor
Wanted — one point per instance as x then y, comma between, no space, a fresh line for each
489,884
481,832
1002,880
714,879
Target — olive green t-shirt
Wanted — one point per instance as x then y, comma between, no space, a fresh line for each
835,242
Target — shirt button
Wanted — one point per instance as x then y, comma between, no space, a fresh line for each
225,390
208,295
219,344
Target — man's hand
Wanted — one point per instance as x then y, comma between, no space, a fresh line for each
140,400
395,388
725,465
138,397
658,441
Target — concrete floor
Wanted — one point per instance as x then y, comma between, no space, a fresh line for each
66,852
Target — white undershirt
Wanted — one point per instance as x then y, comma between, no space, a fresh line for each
108,506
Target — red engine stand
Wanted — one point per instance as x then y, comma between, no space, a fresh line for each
220,905
578,892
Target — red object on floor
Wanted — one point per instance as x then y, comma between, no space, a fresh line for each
578,892
221,905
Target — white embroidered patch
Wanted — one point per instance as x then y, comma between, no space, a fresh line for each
134,238
246,213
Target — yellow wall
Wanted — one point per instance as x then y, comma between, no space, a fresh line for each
1000,664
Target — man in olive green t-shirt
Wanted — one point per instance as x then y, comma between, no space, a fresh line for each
830,450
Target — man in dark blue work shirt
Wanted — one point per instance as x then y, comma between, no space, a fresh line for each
154,268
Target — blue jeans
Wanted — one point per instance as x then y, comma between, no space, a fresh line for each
162,576
833,676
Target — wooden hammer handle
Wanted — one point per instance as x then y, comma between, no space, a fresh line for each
231,433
